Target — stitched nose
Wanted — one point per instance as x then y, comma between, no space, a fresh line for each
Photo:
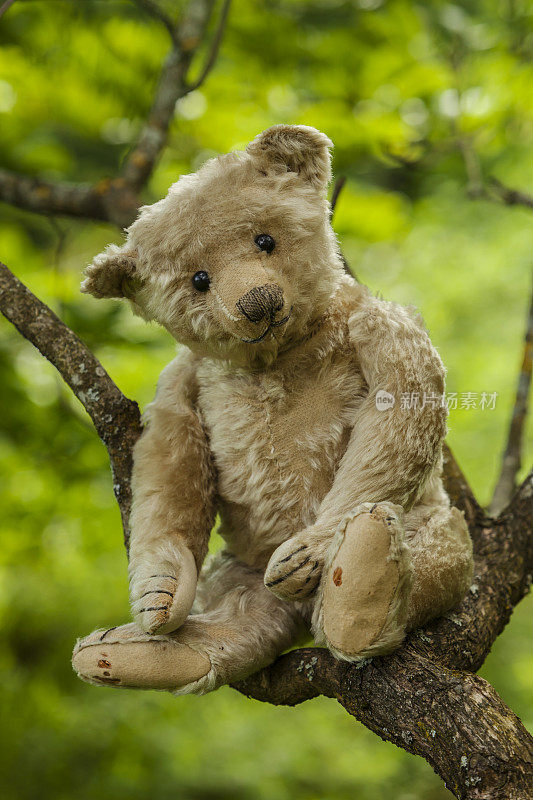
260,302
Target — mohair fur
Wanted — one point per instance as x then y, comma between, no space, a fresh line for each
271,423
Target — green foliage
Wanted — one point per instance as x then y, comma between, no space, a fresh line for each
394,84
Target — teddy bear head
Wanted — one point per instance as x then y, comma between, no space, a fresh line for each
239,260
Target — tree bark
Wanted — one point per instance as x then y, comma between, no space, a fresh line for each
454,720
116,418
425,698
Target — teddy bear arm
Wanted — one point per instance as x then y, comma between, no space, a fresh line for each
173,503
391,452
394,447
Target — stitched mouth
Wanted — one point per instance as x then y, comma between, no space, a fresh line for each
268,329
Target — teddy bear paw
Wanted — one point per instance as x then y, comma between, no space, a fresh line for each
293,572
162,593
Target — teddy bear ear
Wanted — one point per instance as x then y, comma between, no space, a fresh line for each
294,148
112,273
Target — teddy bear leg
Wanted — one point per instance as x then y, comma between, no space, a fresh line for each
387,573
241,627
127,657
442,560
362,604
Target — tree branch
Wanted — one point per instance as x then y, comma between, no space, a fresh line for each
423,697
512,457
116,419
155,11
5,7
172,86
338,186
47,197
110,200
454,720
507,196
214,49
117,200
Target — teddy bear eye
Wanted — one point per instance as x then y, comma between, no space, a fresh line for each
201,281
265,242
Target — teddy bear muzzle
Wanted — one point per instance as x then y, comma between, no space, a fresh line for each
261,302
263,306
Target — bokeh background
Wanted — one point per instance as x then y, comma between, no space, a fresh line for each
404,89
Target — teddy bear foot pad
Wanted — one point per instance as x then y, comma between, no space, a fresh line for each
366,588
125,657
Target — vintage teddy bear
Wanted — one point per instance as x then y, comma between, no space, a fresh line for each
282,413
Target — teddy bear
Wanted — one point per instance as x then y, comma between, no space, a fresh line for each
284,414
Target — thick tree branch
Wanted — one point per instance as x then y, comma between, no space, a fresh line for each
117,199
454,720
47,197
512,457
424,697
116,419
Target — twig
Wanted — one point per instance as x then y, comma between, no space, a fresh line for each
493,189
116,419
152,8
172,86
214,49
5,6
509,196
512,461
337,189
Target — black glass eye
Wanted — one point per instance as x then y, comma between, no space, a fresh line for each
201,281
265,242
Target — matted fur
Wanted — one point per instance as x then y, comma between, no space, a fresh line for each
273,424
